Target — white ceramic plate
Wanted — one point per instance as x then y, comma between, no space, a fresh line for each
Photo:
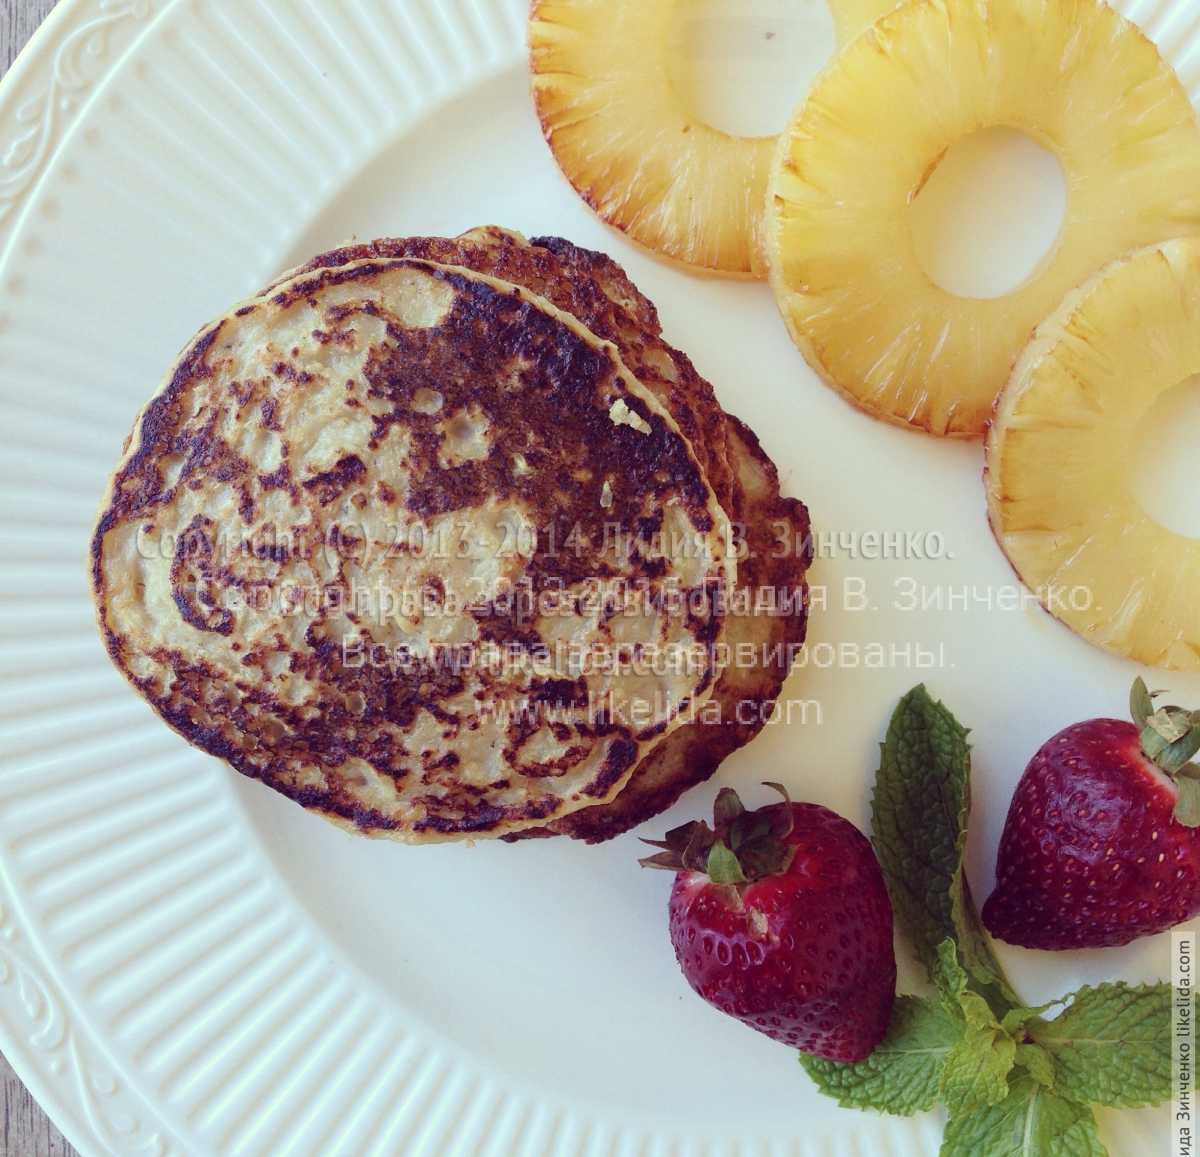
188,963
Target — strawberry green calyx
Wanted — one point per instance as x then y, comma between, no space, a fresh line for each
1170,737
740,846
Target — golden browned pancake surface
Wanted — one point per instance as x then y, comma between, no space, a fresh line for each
282,474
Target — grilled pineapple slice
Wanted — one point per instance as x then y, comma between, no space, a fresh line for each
1061,498
1074,76
623,137
628,143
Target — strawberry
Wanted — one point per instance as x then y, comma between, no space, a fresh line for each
780,917
1101,844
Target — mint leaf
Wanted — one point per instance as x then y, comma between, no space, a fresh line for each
903,1075
1015,1018
976,1071
1037,1063
1112,1045
973,944
948,974
1030,1122
952,980
919,816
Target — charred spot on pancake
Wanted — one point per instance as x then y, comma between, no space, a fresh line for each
289,373
562,693
331,484
278,479
196,579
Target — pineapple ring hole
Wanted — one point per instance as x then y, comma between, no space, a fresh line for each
740,68
989,213
1166,468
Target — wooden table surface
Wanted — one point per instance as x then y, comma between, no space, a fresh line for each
25,1131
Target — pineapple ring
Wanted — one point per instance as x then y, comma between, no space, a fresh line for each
634,152
1073,75
1060,496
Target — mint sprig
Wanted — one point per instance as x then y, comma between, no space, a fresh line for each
1017,1081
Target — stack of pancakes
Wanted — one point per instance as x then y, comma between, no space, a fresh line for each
439,538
